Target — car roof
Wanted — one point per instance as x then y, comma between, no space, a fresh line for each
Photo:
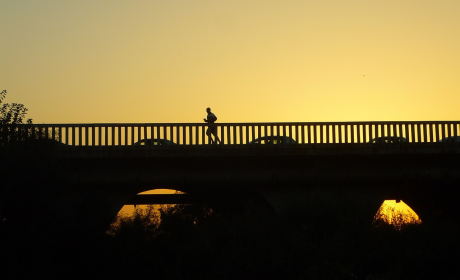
274,137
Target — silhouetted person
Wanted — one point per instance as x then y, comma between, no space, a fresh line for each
211,118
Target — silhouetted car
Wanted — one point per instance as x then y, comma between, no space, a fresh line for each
152,142
273,140
388,139
450,139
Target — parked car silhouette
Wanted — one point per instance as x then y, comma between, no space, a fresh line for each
450,139
273,140
388,139
152,142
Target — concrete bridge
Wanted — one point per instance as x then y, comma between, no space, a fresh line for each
89,171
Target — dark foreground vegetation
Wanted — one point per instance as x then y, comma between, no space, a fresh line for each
194,242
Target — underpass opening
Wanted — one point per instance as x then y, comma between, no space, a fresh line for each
141,200
396,213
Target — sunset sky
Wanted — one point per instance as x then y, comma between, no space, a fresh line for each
92,61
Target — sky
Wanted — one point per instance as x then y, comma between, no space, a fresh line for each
147,61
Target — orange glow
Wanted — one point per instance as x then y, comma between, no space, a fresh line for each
129,209
391,207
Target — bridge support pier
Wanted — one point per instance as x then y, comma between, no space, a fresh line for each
356,203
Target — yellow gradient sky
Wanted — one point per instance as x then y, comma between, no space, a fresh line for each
90,61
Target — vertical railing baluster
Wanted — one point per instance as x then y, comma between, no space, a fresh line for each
240,134
334,133
309,134
229,135
433,132
419,133
413,132
132,134
112,136
197,134
93,136
67,128
203,135
86,129
443,130
457,138
220,130
80,136
119,135
126,130
59,134
314,133
339,127
177,135
371,132
106,135
302,132
99,138
346,133
352,132
184,134
406,132
360,133
246,133
436,132
297,133
321,134
425,134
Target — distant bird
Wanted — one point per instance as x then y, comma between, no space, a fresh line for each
364,76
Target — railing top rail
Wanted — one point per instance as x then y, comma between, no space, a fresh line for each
229,124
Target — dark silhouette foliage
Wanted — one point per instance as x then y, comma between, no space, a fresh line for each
12,129
12,113
196,242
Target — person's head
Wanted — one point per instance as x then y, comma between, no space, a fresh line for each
208,110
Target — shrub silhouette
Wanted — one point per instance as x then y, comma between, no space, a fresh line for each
194,241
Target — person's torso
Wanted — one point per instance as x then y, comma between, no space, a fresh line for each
211,117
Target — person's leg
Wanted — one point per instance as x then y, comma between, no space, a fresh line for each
214,132
217,137
208,133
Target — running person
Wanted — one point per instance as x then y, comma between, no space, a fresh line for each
211,118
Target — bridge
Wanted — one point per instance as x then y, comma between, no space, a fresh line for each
89,171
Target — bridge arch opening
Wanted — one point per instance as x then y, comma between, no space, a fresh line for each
396,213
128,209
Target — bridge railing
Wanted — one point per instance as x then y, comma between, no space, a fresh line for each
122,134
